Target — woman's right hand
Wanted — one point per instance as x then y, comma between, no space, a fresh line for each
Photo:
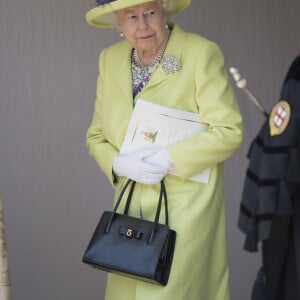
134,166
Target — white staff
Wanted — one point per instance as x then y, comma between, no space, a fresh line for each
242,84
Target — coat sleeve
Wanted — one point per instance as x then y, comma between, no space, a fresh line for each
218,108
99,147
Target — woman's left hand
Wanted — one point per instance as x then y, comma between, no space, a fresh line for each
161,158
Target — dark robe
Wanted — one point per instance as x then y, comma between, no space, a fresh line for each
270,207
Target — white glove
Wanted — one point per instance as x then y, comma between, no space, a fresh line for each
160,158
134,167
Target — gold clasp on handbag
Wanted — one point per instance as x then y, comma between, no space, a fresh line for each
129,232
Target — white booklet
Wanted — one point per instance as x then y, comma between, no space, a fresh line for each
155,125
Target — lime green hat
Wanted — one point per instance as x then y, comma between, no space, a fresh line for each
102,15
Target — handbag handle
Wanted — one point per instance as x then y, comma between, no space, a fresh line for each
163,187
162,193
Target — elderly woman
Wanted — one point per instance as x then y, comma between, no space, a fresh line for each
159,62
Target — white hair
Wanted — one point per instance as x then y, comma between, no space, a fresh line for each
168,6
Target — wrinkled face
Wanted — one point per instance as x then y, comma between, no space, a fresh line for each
143,25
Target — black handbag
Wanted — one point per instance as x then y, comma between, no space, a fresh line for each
131,246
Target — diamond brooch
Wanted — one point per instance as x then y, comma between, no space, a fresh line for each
170,64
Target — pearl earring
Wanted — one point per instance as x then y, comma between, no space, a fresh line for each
167,26
121,34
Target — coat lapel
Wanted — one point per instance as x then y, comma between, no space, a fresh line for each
174,48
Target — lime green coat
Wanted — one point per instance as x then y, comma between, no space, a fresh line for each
196,210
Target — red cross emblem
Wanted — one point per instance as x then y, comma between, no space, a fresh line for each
279,117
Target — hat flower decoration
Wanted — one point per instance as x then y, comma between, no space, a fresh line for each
103,2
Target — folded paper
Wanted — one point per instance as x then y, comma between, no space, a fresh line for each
154,125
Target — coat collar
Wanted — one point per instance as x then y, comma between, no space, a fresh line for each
174,48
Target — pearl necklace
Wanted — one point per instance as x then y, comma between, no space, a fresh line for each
158,56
